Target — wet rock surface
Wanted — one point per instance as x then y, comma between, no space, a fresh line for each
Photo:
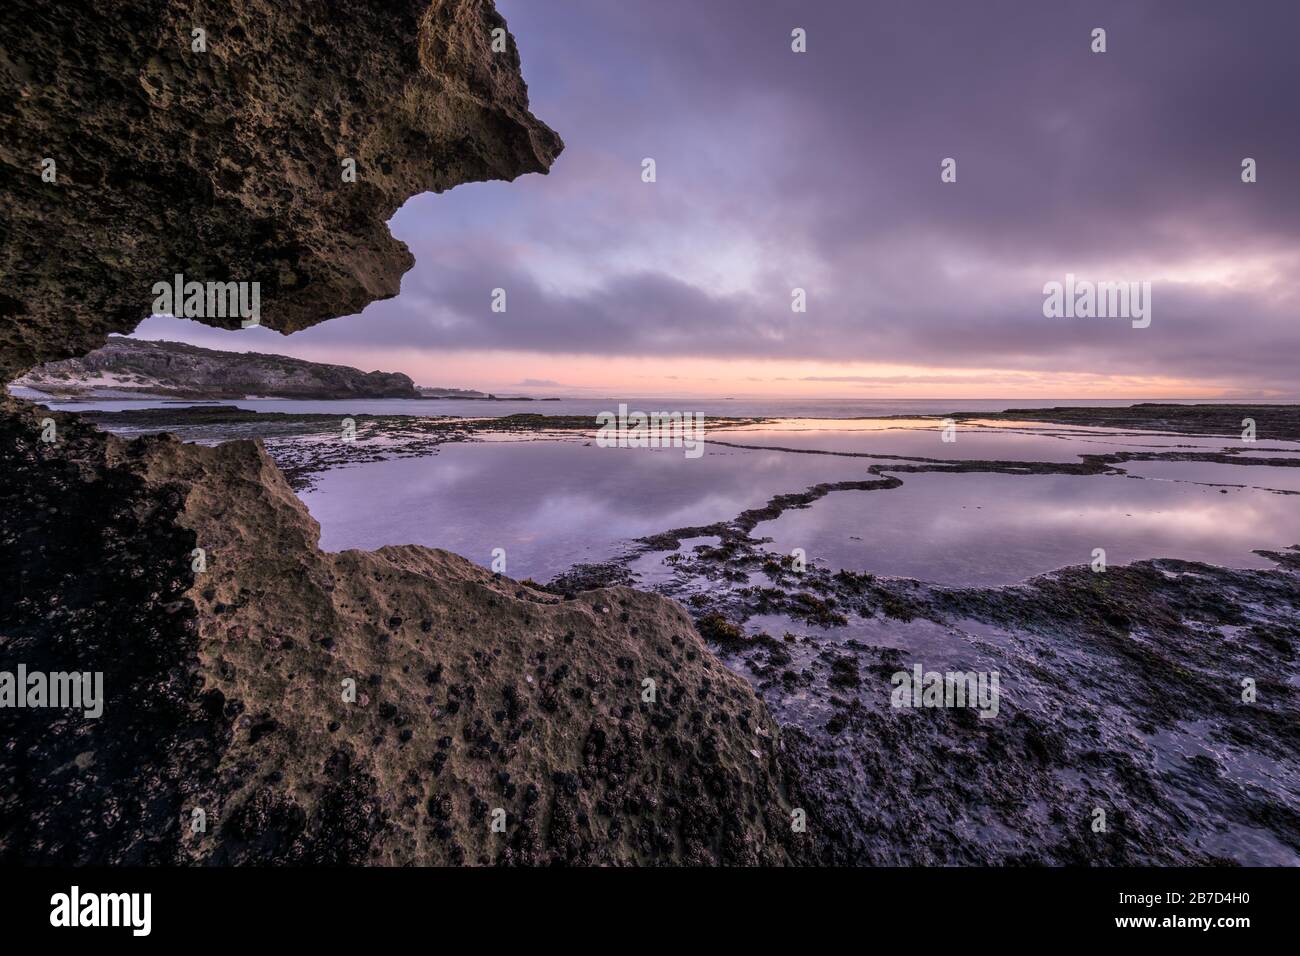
1122,691
1278,422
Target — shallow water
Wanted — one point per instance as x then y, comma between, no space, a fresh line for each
550,504
712,407
971,440
987,529
1217,473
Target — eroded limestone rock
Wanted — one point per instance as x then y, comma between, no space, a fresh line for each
225,686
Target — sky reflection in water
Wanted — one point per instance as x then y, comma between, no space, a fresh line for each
552,504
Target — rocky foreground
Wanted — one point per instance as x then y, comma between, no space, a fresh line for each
477,699
491,723
1121,692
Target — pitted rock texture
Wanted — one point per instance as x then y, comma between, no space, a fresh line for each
227,688
227,164
474,694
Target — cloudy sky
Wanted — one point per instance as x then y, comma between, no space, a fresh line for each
821,170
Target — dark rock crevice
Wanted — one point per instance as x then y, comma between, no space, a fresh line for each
96,569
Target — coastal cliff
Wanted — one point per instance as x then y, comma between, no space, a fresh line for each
187,371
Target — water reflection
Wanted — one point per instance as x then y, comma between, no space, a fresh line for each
553,503
983,529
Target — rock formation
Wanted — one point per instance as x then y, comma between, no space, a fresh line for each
187,371
220,155
191,576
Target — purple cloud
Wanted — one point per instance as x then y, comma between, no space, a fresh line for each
821,170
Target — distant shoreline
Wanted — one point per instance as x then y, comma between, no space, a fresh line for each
127,393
